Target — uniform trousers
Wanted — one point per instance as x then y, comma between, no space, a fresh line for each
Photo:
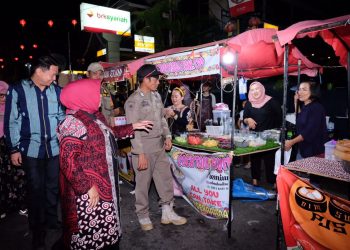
158,169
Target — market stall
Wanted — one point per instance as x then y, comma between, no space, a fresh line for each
336,33
116,87
255,57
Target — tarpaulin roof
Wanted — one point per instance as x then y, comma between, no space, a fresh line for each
261,53
259,57
334,31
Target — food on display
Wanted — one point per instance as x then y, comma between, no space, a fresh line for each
194,139
342,150
210,143
257,142
180,139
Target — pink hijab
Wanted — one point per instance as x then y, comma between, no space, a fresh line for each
262,99
82,94
3,90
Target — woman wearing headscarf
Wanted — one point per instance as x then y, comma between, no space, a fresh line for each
88,184
262,112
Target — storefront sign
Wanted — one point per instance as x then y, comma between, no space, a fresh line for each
240,7
205,61
312,219
144,44
96,18
204,180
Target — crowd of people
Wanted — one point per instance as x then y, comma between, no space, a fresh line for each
47,134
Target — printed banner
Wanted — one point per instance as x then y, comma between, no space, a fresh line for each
312,219
240,7
205,61
125,165
114,74
204,180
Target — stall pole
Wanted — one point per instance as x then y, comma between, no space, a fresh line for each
232,147
348,70
69,56
200,105
221,91
284,108
299,73
283,135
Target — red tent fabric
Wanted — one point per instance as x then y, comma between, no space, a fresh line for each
259,56
334,31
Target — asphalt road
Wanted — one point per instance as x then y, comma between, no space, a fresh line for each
254,226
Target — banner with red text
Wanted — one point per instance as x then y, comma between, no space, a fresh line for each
199,62
312,218
204,180
240,7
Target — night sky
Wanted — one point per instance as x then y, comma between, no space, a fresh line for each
55,39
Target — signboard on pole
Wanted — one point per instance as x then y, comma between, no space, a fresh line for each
95,18
144,43
240,7
204,180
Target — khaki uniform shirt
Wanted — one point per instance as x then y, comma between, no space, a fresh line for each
140,106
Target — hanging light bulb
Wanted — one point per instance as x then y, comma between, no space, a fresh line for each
22,22
50,23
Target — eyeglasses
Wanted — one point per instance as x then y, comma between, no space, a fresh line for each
2,95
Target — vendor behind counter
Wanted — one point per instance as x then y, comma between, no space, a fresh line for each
178,114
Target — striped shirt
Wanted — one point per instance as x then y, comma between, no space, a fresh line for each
31,119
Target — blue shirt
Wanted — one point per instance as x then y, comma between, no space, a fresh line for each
311,124
31,118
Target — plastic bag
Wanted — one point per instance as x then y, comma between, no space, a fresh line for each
287,155
244,190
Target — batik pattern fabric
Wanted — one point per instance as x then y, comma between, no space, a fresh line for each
86,159
12,183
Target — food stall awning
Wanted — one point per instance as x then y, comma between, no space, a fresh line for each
334,31
259,57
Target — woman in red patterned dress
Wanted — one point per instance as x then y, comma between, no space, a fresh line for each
88,183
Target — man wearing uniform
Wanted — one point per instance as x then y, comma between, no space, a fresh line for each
148,148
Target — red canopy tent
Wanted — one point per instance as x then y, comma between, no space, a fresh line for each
336,33
259,58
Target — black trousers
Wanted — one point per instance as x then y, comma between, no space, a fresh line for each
43,190
268,158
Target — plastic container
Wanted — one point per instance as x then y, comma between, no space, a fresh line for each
222,114
329,148
215,130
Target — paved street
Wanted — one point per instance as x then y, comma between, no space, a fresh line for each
253,226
